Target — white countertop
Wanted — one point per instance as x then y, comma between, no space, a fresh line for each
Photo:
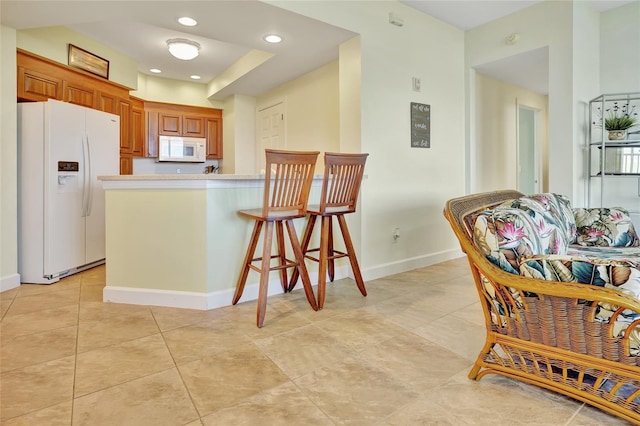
180,176
184,181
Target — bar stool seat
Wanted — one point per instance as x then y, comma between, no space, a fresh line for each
287,185
340,189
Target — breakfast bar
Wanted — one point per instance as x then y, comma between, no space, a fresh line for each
177,240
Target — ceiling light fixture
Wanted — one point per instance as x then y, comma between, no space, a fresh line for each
188,22
183,49
195,77
155,70
272,38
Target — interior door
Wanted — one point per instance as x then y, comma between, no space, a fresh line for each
528,153
102,135
271,132
64,232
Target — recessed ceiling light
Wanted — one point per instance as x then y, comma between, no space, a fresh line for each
155,70
188,22
272,38
195,77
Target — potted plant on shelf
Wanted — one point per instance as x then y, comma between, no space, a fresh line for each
618,119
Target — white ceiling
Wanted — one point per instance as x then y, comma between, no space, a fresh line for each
227,30
528,69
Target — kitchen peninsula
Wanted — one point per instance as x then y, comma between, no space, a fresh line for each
177,240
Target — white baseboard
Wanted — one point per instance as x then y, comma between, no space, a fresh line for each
9,282
218,299
409,264
195,300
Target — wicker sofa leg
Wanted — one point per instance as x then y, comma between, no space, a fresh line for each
473,374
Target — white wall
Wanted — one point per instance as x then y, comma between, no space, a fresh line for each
496,131
619,73
9,277
158,89
312,110
620,49
52,43
586,86
546,24
406,187
239,135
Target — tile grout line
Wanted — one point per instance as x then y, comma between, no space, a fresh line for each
175,365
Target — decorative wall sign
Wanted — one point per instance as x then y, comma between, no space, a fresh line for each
420,125
87,61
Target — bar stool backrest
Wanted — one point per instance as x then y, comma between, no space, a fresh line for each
288,177
341,185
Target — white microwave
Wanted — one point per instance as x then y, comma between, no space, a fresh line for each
182,149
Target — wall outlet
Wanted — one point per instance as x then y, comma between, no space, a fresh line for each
396,234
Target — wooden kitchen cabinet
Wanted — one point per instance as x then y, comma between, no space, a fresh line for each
126,164
170,124
137,127
124,111
214,138
163,119
141,122
37,86
175,124
78,93
107,102
193,126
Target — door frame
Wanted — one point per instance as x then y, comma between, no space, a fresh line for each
537,145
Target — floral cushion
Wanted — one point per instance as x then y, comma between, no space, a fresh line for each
605,227
622,275
521,228
553,208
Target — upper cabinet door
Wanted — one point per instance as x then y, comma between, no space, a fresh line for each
33,85
107,102
77,94
170,124
124,109
193,126
214,138
137,130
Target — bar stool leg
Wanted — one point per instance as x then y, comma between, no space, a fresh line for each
301,267
322,264
281,255
330,255
352,254
242,279
306,238
264,274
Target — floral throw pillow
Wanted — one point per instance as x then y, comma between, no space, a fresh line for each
552,208
506,235
605,227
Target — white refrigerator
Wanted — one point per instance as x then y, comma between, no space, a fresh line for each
62,148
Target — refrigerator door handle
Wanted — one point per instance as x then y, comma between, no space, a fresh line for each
85,165
88,186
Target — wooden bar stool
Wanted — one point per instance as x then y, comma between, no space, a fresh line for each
340,188
287,184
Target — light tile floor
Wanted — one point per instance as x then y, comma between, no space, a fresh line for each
400,356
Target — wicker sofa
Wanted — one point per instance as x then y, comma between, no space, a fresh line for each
557,314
